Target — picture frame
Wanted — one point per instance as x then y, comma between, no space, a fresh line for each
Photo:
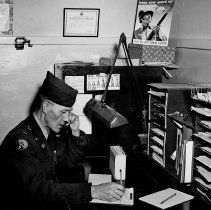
6,17
81,22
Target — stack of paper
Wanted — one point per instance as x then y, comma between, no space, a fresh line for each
205,96
203,111
204,160
205,123
206,136
159,105
159,115
200,181
156,93
203,177
158,140
158,132
158,158
203,187
157,149
204,173
207,150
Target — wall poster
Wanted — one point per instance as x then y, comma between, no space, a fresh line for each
153,22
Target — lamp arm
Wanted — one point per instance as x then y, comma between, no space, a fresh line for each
138,95
132,76
142,112
112,68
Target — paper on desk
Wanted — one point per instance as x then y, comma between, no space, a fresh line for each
155,199
127,199
96,179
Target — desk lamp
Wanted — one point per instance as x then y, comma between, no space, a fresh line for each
106,114
98,108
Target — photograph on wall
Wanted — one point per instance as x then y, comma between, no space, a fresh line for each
153,22
6,17
99,82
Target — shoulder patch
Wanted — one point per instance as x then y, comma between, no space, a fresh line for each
21,144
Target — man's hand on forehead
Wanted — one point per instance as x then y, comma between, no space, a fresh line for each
72,117
74,124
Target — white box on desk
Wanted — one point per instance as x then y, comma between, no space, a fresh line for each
117,162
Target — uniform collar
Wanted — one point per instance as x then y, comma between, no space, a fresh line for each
35,128
43,129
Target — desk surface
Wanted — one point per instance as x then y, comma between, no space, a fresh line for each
144,183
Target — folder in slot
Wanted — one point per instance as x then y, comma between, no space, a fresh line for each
186,170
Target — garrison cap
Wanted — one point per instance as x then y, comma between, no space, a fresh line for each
58,91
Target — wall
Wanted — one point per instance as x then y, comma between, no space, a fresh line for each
191,34
41,21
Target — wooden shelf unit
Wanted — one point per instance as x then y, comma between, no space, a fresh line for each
202,153
164,99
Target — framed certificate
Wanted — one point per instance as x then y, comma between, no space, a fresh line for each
80,22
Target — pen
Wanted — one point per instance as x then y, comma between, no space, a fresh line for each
171,196
120,170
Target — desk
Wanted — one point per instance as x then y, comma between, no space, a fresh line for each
144,183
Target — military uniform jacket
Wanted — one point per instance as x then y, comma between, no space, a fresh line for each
35,171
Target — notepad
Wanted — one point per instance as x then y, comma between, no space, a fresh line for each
175,197
127,199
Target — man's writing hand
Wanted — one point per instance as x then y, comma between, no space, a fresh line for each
107,191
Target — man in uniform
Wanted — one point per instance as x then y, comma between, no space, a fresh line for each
38,156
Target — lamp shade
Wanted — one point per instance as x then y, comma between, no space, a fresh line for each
104,113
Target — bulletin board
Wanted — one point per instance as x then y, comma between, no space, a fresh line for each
122,100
